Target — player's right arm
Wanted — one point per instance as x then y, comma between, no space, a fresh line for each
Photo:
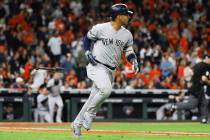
87,41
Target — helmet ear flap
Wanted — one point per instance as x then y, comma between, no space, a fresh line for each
113,17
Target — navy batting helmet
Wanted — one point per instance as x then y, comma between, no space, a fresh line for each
120,9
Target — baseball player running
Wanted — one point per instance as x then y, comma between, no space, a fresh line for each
110,40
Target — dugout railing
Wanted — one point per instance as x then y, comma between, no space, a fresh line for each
122,104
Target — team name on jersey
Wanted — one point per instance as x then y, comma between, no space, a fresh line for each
111,41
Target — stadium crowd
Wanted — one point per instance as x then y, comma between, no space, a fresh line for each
170,37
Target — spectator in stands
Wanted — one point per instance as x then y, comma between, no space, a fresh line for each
19,84
67,63
72,79
54,45
6,76
28,30
166,66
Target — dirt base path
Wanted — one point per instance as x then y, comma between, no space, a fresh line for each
28,127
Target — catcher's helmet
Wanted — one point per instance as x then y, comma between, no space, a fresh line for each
120,9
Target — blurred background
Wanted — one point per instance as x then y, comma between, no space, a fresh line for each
170,37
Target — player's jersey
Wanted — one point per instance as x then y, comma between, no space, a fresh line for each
39,78
54,88
42,103
109,43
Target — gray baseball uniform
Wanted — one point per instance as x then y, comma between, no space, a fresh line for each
108,46
55,99
110,43
42,108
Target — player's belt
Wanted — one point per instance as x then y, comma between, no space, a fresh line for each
110,67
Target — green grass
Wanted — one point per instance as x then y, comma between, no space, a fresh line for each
65,136
164,127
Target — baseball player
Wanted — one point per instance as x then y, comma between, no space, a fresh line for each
42,109
109,40
39,77
54,86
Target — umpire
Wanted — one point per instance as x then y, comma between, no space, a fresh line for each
196,90
204,103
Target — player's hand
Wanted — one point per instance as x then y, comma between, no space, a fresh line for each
90,57
135,66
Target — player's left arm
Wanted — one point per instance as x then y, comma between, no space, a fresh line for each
130,54
131,57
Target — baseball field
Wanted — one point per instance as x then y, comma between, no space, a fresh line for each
107,131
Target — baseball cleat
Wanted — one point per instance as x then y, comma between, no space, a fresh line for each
204,121
76,129
87,122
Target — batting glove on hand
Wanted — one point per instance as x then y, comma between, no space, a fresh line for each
90,57
135,66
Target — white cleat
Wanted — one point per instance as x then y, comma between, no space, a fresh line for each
58,121
87,122
76,129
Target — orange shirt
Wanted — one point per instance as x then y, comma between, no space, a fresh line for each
19,20
154,73
59,25
26,74
200,52
184,44
180,72
28,38
175,15
208,34
67,37
152,27
144,78
2,49
130,73
137,23
72,76
173,36
151,6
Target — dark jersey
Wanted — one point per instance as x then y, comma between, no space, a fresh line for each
207,86
197,86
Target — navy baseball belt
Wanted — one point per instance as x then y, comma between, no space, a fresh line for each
110,67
